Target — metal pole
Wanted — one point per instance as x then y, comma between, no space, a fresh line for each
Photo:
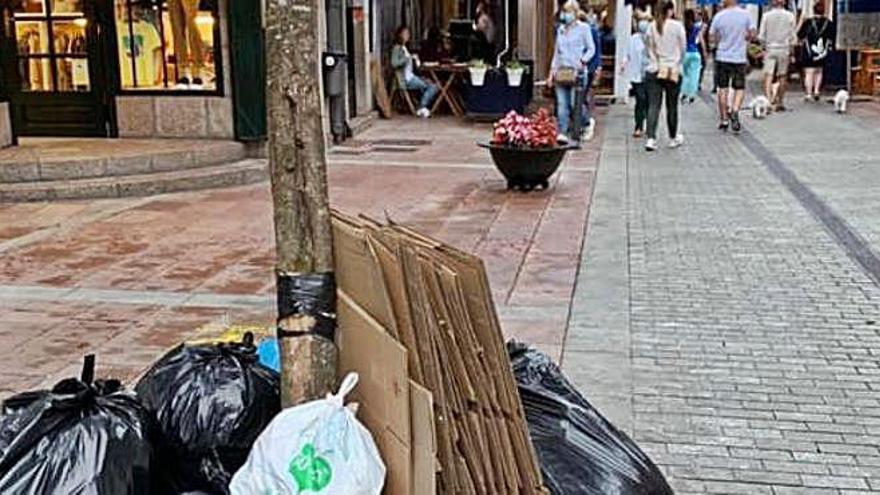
848,53
506,34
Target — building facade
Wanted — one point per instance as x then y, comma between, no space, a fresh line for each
151,68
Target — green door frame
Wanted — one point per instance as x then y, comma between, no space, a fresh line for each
248,59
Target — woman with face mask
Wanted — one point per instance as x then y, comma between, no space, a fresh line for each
634,66
571,57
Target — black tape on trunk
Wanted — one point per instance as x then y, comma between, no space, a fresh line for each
311,294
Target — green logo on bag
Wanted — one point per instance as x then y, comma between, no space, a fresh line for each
309,470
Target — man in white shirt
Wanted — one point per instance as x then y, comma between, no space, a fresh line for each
778,35
731,30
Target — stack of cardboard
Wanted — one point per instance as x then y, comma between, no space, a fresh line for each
416,320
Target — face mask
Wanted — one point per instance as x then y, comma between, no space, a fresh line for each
643,26
567,17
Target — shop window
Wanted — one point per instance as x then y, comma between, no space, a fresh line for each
168,44
51,45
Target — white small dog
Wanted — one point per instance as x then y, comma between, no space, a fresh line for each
841,99
760,107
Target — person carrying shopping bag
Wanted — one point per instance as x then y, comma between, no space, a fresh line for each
666,48
571,57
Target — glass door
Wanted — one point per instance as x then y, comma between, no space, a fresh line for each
55,54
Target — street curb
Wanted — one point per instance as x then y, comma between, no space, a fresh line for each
596,352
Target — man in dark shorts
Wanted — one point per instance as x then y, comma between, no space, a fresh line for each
731,30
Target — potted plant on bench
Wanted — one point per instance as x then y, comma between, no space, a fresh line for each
477,69
515,70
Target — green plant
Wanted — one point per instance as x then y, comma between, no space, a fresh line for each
515,64
477,64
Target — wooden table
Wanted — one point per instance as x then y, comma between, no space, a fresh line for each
446,77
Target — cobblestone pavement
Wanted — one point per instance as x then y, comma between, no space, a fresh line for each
741,321
130,278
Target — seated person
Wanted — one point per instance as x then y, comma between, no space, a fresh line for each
435,48
404,64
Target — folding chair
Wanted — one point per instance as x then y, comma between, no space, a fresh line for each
399,92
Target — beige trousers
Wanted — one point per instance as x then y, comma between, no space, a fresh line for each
188,46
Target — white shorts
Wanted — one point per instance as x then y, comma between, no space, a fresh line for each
776,63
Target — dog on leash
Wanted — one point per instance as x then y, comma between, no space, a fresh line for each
841,100
760,106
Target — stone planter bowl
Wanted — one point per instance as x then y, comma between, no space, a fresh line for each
527,168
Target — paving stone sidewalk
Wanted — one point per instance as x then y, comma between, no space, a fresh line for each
740,339
128,278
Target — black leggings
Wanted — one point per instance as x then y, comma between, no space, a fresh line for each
641,113
657,88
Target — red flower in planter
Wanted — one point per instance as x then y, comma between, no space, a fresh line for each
518,130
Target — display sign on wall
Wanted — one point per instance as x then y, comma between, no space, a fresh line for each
858,24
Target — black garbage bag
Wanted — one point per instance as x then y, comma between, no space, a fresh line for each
210,403
78,438
580,451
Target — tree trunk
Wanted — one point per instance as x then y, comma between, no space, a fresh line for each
299,192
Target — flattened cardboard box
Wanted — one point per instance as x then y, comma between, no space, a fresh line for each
401,422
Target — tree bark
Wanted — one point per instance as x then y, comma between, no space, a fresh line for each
298,169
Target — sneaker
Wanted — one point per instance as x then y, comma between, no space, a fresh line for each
735,124
651,145
781,108
561,138
637,133
678,141
691,100
197,82
423,113
808,97
589,131
182,83
723,125
816,98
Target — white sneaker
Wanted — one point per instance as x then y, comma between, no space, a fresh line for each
678,141
651,145
561,138
423,113
588,133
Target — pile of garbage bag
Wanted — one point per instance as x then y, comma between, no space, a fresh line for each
210,403
207,419
79,437
579,450
187,428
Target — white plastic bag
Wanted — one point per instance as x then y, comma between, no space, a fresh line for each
315,448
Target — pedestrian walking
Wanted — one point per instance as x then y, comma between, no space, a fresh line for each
666,46
634,67
573,52
777,35
817,36
404,64
702,17
692,65
594,68
731,30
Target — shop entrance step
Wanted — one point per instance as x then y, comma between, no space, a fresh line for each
246,171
